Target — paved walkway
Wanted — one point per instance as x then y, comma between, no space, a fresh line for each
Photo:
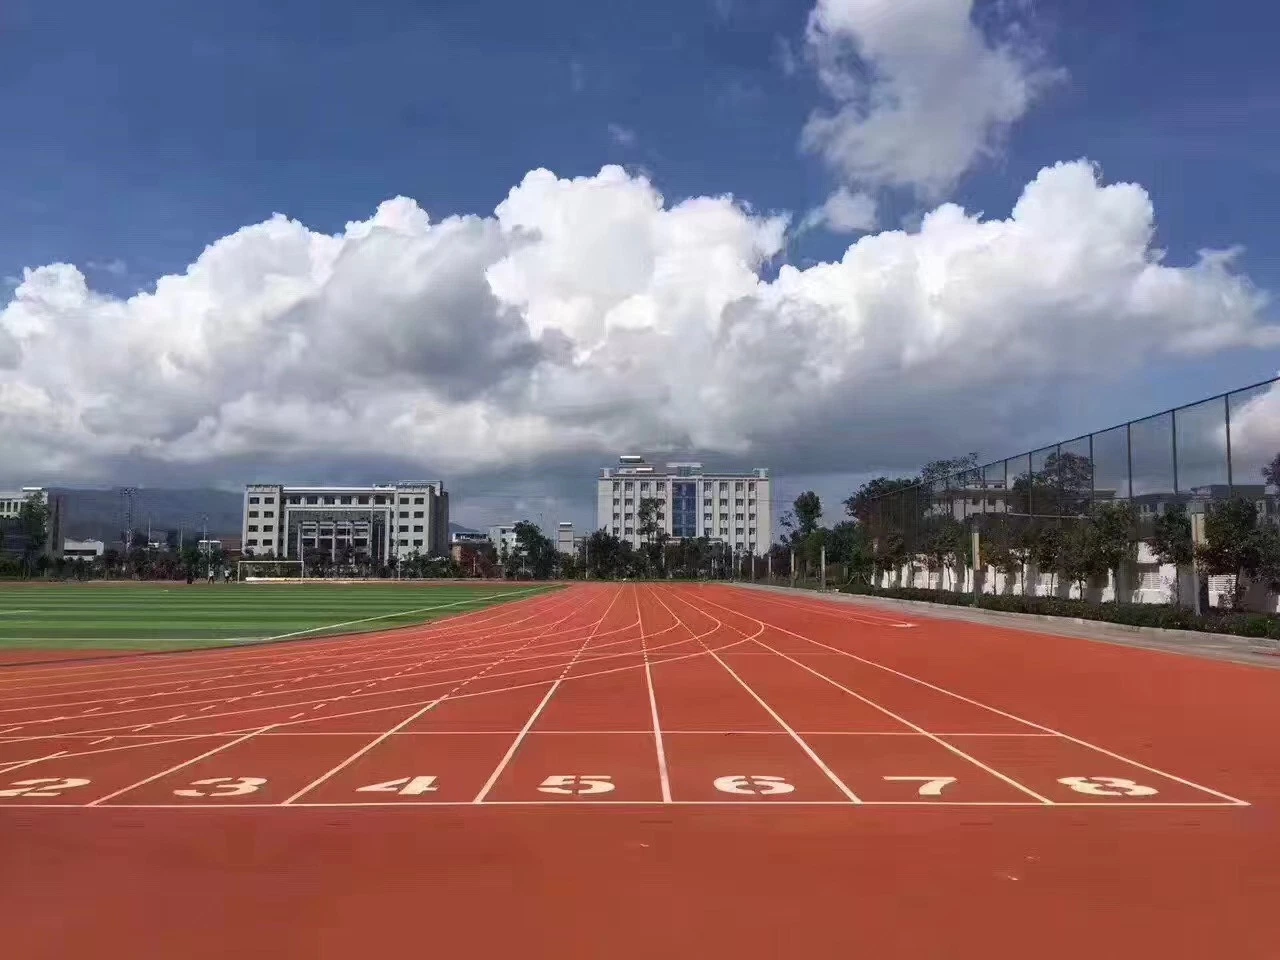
1258,652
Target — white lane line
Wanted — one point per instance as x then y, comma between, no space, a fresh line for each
537,711
399,726
176,767
1038,726
296,716
6,768
799,740
916,727
754,805
94,743
663,774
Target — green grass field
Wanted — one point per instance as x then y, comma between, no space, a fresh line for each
120,616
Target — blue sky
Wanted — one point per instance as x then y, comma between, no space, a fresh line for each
136,133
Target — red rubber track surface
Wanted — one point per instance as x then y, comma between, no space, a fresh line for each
626,770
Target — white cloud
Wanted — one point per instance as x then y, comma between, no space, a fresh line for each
920,92
115,267
844,212
587,316
622,136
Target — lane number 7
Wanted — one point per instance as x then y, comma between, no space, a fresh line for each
929,786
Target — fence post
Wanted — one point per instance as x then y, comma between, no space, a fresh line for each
975,546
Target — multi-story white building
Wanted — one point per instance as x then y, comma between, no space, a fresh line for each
734,508
503,538
565,538
382,521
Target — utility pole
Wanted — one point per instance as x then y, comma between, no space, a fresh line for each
975,546
823,562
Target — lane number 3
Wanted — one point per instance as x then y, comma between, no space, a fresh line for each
223,787
1107,787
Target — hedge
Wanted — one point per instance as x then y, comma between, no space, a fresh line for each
1131,614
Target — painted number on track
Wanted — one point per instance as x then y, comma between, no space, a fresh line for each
45,787
1108,787
929,786
223,787
760,785
404,786
577,784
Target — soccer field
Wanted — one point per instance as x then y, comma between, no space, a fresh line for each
180,616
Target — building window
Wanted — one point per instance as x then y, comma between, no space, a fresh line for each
379,500
417,543
419,500
417,528
617,531
706,518
616,486
644,486
268,513
363,501
253,513
751,516
251,543
346,501
404,501
404,528
404,514
267,528
738,485
295,500
330,501
738,517
630,485
268,499
706,532
417,514
617,516
751,487
253,528
254,500
404,543
313,500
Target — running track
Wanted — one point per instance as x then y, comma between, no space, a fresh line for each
631,770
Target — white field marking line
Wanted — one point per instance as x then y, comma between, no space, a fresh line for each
800,741
357,693
7,767
916,727
176,767
384,735
1038,726
473,644
817,605
537,711
209,660
663,773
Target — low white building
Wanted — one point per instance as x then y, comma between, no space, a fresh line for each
381,521
564,538
689,502
83,549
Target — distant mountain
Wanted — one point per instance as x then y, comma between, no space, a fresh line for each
99,514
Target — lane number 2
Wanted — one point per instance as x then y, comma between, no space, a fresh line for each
223,787
929,786
577,784
1108,787
760,785
404,786
45,787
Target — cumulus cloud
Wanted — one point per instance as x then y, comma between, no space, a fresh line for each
844,212
585,316
920,92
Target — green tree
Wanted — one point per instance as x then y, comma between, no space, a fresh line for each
1234,545
1114,539
1171,541
804,516
1271,472
33,524
1046,548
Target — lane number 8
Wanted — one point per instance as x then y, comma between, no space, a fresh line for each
1108,787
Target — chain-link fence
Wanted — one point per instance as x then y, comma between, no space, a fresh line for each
1221,448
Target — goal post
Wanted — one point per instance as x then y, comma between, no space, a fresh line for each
251,571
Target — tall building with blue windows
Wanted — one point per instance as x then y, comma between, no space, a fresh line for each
688,502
